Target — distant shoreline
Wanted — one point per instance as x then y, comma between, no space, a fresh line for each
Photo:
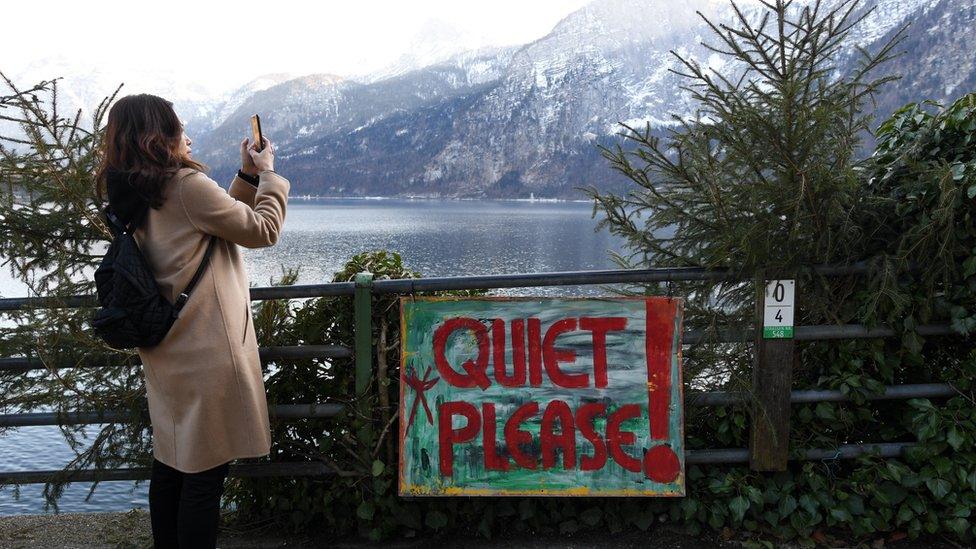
432,198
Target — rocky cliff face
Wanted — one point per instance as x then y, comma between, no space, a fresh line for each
508,122
939,59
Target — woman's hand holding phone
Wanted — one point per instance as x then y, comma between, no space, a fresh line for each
249,157
247,163
263,160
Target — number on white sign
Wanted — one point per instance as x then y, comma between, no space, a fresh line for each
778,314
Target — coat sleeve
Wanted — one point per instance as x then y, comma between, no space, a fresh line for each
242,190
213,210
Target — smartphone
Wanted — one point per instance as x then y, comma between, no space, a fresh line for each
256,131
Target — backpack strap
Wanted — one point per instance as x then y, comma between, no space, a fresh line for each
185,294
181,299
114,221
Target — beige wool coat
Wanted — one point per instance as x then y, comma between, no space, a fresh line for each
207,402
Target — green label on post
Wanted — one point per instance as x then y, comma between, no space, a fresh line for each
778,332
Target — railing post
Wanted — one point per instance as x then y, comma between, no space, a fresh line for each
769,437
362,305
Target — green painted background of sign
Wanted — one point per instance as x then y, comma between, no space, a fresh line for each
627,376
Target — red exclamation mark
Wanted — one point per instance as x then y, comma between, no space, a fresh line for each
660,462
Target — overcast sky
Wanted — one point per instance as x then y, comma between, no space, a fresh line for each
218,40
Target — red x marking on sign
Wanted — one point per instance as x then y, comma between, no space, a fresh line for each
420,386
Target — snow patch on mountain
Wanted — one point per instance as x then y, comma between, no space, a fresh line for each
436,42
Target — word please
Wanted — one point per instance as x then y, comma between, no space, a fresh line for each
542,352
659,463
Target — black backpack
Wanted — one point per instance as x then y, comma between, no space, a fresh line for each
134,312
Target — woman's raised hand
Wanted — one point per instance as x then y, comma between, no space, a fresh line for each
247,163
263,160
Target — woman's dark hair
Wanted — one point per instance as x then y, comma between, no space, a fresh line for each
142,143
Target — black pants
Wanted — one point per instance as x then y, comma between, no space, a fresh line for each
184,508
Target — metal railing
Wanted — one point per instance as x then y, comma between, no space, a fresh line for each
363,287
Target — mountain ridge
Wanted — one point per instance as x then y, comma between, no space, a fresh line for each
522,120
532,126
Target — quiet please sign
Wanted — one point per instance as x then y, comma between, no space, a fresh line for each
541,396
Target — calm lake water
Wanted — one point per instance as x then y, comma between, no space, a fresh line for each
436,238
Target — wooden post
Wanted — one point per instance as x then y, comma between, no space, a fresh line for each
772,382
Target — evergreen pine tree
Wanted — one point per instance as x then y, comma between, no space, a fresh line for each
763,179
51,239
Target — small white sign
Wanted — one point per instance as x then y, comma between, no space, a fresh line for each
778,314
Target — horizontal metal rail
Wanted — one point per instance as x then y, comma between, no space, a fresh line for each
572,278
845,451
891,392
690,337
414,285
722,456
239,470
814,333
326,410
33,419
410,285
23,364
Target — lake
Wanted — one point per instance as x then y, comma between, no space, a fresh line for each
434,237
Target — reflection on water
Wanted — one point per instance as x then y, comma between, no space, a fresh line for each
436,238
44,448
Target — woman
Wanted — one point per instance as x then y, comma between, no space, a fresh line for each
205,389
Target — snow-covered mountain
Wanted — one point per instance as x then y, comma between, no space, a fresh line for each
436,42
447,119
202,107
605,63
529,118
226,105
938,61
85,86
498,122
299,113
